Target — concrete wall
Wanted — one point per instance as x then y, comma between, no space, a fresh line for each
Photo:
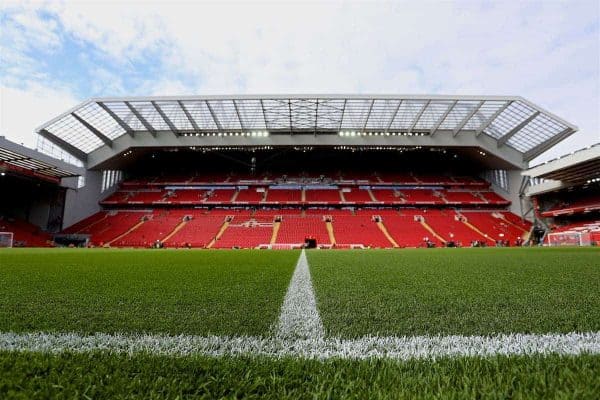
83,202
518,205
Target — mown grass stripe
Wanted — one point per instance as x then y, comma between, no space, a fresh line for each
398,348
299,318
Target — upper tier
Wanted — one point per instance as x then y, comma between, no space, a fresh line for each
305,189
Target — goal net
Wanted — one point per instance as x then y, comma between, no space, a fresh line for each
6,239
570,239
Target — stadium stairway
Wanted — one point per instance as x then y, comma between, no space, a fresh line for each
175,230
474,228
385,232
219,234
133,228
372,196
276,226
425,225
329,226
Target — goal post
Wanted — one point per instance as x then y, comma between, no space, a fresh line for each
6,239
570,239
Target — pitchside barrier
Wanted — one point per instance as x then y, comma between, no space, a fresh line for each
570,239
6,239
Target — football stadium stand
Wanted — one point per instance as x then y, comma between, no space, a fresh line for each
565,196
338,171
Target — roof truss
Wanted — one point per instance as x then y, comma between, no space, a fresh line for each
498,117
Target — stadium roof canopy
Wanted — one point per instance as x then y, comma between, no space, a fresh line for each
578,168
512,123
21,159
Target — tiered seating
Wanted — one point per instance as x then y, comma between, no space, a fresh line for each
329,196
198,232
220,196
25,234
591,203
250,195
356,195
157,227
388,196
396,178
496,228
494,198
295,229
236,193
284,196
248,232
188,196
86,223
421,196
146,197
118,197
406,231
112,226
350,230
273,213
462,197
445,225
516,220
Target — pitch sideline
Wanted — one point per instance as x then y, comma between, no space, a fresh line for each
299,333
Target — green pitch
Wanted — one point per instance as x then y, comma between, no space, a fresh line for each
234,293
458,291
170,292
105,376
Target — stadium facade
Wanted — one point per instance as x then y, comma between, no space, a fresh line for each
364,145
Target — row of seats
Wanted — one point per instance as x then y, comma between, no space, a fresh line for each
24,233
314,196
590,203
224,228
305,178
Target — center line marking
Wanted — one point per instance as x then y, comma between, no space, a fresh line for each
299,318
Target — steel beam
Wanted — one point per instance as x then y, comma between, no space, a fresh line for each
188,116
343,112
66,146
442,118
290,111
117,119
542,147
213,115
143,120
264,113
368,115
493,117
93,129
389,125
505,138
418,116
164,116
237,111
466,119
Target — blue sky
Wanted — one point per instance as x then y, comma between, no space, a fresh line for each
55,54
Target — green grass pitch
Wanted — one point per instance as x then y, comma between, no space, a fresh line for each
170,292
395,292
458,291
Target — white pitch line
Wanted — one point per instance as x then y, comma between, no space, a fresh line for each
299,318
395,348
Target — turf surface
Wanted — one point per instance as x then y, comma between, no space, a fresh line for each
101,375
172,292
457,291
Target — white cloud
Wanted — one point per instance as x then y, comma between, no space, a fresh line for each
548,52
23,110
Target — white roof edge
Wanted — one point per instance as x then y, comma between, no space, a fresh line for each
569,160
309,96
